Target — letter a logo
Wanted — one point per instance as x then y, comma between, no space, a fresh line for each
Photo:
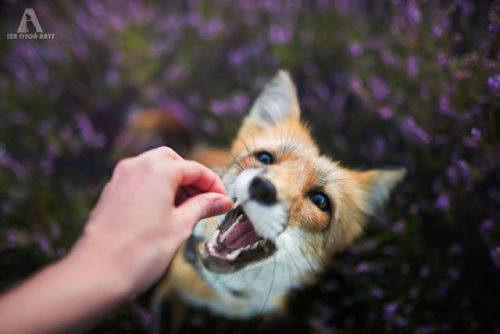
29,16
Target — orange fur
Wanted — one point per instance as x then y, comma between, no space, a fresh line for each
310,235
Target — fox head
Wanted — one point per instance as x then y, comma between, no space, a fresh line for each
293,206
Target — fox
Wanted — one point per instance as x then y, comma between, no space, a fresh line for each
294,208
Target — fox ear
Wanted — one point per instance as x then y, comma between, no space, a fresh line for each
277,102
378,186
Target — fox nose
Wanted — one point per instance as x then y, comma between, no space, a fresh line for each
263,191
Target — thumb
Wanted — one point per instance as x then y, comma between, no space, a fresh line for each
203,206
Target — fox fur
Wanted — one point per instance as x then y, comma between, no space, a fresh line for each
300,232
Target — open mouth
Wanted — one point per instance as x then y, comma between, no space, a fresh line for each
235,244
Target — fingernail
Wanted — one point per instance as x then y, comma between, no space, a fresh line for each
222,205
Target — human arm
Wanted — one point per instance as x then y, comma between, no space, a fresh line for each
144,214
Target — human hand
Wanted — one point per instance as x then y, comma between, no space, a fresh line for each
145,212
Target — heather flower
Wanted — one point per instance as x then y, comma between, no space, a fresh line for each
493,28
399,227
385,112
237,57
494,83
376,292
44,245
412,66
239,103
280,34
389,310
453,273
356,49
416,131
442,202
379,88
12,237
211,29
363,267
413,13
486,225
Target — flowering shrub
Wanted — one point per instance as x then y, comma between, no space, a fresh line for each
412,83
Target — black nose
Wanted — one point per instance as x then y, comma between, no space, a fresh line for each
263,191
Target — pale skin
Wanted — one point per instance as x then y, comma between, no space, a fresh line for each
145,212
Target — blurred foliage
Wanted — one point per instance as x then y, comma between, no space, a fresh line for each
383,83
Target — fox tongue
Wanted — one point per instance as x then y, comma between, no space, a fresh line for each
241,235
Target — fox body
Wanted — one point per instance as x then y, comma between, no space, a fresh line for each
294,208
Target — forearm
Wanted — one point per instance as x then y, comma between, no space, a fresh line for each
72,293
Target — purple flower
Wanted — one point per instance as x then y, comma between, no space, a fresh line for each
44,245
236,57
280,34
356,85
376,292
413,13
453,273
363,267
379,88
239,103
12,237
355,49
494,83
399,227
218,107
424,272
444,106
211,29
487,225
390,309
400,322
112,77
385,112
442,202
416,131
412,66
379,147
464,169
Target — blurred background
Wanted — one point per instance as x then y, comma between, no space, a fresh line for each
412,83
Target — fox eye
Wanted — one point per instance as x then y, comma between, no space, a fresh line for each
320,199
265,157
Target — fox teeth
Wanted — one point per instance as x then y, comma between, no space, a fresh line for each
225,234
234,254
213,241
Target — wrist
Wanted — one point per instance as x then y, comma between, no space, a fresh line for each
100,271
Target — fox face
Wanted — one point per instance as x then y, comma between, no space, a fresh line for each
291,203
294,208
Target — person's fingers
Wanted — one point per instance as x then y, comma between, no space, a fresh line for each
183,193
203,206
194,174
124,166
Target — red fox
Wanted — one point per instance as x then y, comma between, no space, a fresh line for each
294,209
